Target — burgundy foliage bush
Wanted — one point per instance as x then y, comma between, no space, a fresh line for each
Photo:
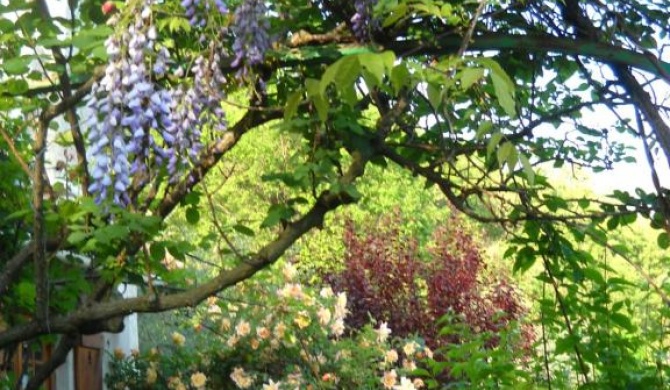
386,279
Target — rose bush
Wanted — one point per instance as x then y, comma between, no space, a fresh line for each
275,334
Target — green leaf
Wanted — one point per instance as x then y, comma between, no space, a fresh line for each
469,76
527,168
399,11
17,65
244,230
502,85
192,198
566,344
54,42
584,203
613,222
157,251
76,237
292,105
434,95
506,153
493,143
192,215
276,214
18,214
622,321
378,64
422,372
483,129
525,258
26,292
343,72
532,228
594,275
352,191
400,77
627,219
110,233
6,26
314,93
17,87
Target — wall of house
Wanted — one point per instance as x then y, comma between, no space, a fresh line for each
126,341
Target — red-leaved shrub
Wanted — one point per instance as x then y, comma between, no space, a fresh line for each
385,278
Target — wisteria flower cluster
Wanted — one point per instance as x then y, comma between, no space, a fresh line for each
196,9
251,30
125,106
137,125
192,108
362,21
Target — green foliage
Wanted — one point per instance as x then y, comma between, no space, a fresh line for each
276,330
421,108
481,360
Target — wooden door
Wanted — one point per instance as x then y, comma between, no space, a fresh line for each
88,368
30,356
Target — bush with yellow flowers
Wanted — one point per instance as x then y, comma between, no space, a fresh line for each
276,333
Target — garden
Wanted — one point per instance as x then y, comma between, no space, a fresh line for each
331,194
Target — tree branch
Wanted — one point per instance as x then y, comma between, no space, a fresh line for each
73,322
65,345
39,234
326,202
535,42
15,152
16,263
250,120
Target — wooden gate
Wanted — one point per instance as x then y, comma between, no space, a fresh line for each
88,368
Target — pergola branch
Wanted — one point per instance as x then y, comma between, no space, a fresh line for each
73,322
271,252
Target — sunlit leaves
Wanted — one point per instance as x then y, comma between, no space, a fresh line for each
344,74
503,86
17,65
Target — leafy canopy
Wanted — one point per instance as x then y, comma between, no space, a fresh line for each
112,120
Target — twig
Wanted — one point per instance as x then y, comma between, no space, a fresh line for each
39,234
217,224
471,29
566,318
15,152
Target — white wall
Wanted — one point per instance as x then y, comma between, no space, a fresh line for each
127,341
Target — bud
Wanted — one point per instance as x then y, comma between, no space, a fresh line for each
108,7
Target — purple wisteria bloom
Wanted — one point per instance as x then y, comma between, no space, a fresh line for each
128,110
362,22
193,108
251,30
137,126
195,9
108,149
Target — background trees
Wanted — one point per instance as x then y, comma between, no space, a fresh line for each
478,100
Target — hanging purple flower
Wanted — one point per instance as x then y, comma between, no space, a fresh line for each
193,108
251,30
126,106
108,151
195,9
137,126
362,21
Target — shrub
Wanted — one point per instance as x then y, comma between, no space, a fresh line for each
388,278
274,334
